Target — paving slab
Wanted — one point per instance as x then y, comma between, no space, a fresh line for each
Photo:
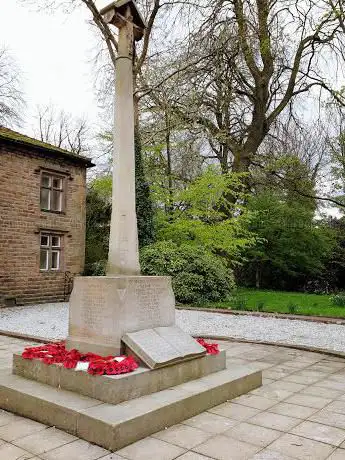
319,432
183,436
150,448
11,452
338,454
211,423
254,434
274,421
220,447
293,410
76,450
43,441
268,454
302,448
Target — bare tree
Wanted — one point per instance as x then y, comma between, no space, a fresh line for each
11,98
249,63
336,145
159,14
61,129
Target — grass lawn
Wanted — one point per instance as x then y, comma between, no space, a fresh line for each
281,302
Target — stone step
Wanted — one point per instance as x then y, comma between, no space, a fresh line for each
118,388
116,426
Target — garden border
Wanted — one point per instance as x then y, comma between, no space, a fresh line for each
313,319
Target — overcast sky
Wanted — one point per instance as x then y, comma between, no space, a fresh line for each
53,52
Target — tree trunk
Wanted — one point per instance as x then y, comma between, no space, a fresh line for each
169,208
257,276
144,206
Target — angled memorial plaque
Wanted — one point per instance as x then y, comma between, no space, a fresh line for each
163,346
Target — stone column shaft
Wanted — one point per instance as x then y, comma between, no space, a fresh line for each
123,256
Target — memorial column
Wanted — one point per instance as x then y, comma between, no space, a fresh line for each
123,258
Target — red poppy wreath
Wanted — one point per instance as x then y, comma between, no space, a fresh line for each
56,353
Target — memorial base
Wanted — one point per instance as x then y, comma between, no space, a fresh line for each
115,424
114,389
104,308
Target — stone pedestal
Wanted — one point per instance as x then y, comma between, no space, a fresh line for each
104,309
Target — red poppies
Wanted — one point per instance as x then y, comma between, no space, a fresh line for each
211,348
56,353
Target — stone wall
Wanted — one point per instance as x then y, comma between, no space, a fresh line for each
21,221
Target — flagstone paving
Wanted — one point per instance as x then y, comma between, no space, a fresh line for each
298,413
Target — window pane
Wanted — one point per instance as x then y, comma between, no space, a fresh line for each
57,183
56,200
44,259
55,260
45,180
45,198
44,240
55,241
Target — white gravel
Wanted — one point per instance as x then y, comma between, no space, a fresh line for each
51,321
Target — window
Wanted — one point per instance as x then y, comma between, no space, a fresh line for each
51,192
50,252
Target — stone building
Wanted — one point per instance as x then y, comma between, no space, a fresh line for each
42,219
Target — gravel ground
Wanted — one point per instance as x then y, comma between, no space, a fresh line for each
51,321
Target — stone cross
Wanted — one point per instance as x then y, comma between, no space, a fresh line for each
123,258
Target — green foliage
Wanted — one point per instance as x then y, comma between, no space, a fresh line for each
260,305
338,300
145,214
103,187
197,275
208,213
293,308
278,301
239,302
98,212
291,247
335,269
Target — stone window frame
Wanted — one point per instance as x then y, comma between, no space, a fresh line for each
57,175
51,247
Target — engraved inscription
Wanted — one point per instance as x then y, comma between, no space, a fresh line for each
147,297
96,320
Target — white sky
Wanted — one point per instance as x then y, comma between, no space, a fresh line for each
53,52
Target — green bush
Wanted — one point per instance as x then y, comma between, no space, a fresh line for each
338,300
239,302
198,276
293,308
95,268
260,305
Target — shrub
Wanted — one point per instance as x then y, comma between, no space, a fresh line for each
239,302
292,307
95,268
338,300
260,305
198,276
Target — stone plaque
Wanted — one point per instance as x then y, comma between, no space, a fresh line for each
183,342
103,309
163,346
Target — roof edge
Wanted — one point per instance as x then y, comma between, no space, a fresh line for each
53,151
